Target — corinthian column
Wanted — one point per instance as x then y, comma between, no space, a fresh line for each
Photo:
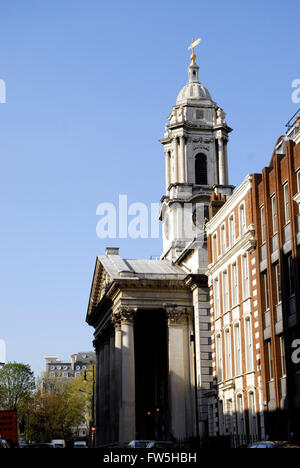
116,319
127,420
112,386
167,170
175,161
97,389
182,160
100,399
180,379
221,161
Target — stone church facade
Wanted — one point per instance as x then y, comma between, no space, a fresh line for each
152,317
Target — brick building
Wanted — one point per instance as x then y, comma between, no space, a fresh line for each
253,242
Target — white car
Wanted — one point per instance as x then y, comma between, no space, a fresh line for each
58,443
139,443
80,444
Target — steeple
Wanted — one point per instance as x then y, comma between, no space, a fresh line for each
193,68
193,73
195,147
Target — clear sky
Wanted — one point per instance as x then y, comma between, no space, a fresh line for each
89,87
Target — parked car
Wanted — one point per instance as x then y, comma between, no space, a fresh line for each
58,443
272,445
139,443
80,444
39,446
161,444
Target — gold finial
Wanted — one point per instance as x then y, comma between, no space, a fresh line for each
192,46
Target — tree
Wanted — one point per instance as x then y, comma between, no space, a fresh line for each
16,385
58,408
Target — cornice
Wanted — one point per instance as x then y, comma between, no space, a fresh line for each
297,197
195,281
247,243
230,203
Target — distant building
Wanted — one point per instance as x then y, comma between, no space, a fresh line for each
253,243
78,364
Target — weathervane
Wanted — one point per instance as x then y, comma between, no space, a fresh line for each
192,46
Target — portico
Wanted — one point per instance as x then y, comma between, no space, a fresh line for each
145,357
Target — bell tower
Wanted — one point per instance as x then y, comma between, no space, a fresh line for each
195,149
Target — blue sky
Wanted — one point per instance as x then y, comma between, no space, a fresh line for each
89,87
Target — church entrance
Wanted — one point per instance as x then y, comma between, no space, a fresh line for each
151,375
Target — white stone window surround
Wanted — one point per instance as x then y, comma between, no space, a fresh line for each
242,219
240,410
225,288
252,410
215,247
249,348
231,232
217,298
237,344
228,353
235,284
245,277
223,243
219,357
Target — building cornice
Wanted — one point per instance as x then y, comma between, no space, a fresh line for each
246,243
239,193
297,197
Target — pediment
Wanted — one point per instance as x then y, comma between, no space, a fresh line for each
100,285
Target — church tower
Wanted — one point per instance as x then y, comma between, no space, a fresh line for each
195,148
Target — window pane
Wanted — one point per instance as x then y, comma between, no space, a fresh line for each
242,220
286,203
232,231
274,214
263,224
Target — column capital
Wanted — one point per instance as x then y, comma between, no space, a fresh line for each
116,320
97,344
177,314
127,314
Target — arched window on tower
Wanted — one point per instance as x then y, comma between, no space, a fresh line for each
201,169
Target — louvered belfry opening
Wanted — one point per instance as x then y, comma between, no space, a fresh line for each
201,169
